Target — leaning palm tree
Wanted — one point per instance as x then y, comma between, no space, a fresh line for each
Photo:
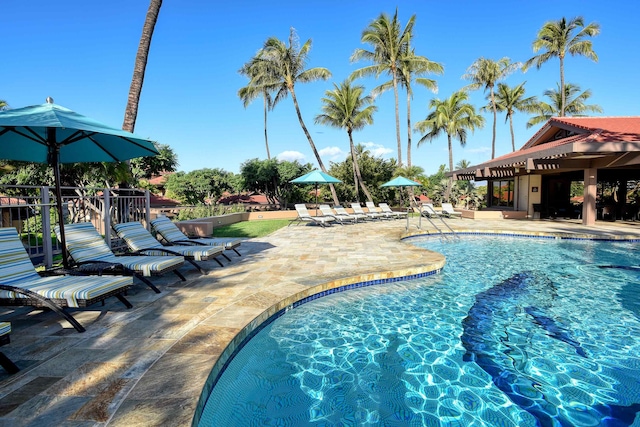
131,110
411,65
485,73
345,107
389,43
575,104
559,37
453,117
512,99
282,67
256,88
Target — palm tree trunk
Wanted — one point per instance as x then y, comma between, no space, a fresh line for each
313,146
266,138
131,111
563,100
449,183
359,179
408,129
513,139
495,119
395,93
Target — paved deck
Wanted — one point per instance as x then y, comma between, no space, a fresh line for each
147,366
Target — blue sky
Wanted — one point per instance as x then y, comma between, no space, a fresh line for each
81,53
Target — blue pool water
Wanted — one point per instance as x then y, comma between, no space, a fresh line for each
513,332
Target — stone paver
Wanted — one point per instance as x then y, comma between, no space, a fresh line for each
148,365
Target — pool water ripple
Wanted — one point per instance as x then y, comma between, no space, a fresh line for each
513,332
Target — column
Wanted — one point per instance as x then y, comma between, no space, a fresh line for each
589,203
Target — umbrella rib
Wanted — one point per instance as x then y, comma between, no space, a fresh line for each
33,136
80,134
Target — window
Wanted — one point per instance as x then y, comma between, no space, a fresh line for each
501,193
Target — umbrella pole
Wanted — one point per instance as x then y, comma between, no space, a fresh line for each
316,199
54,161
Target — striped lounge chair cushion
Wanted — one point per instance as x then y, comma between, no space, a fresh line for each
86,244
171,233
5,328
137,238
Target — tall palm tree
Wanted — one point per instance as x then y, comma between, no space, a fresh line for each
411,65
131,111
345,107
575,104
453,117
557,38
282,67
512,99
485,73
388,43
257,88
3,105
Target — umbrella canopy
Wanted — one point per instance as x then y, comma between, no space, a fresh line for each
52,134
401,181
316,177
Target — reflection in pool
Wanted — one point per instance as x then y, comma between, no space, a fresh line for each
513,332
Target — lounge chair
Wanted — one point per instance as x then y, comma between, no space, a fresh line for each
342,212
172,235
447,210
375,209
396,214
142,242
327,211
429,211
305,216
359,211
21,285
90,253
7,364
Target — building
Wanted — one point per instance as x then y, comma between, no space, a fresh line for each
600,153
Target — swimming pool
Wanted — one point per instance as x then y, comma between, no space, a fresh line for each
513,332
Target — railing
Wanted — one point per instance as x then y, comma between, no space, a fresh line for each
32,210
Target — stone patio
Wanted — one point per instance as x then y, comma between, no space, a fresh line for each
147,366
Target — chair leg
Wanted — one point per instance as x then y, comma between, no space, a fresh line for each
192,262
218,261
147,282
123,300
7,364
236,251
177,273
228,259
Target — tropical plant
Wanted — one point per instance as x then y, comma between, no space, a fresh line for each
283,66
198,186
258,86
131,111
3,105
511,99
453,117
389,43
148,167
344,107
272,178
411,65
575,104
485,73
556,39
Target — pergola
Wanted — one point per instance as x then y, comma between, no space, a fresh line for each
594,145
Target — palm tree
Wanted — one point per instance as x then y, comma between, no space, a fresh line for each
511,99
131,111
256,88
452,116
411,65
389,43
3,105
575,104
485,73
282,67
559,37
345,107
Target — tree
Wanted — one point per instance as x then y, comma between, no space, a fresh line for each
575,104
485,73
453,117
345,108
557,38
3,105
283,66
198,186
511,99
272,178
389,43
148,167
131,111
258,86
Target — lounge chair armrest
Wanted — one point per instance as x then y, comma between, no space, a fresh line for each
191,242
100,267
143,250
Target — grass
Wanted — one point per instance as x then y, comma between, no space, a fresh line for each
250,228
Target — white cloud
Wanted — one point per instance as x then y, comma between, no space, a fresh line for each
333,153
377,150
291,156
480,150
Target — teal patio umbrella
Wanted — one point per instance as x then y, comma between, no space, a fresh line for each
401,181
316,177
52,134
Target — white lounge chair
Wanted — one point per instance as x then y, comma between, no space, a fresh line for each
305,216
327,211
429,211
358,210
343,213
371,207
396,214
447,210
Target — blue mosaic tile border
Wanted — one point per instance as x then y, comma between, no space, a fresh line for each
296,304
525,235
